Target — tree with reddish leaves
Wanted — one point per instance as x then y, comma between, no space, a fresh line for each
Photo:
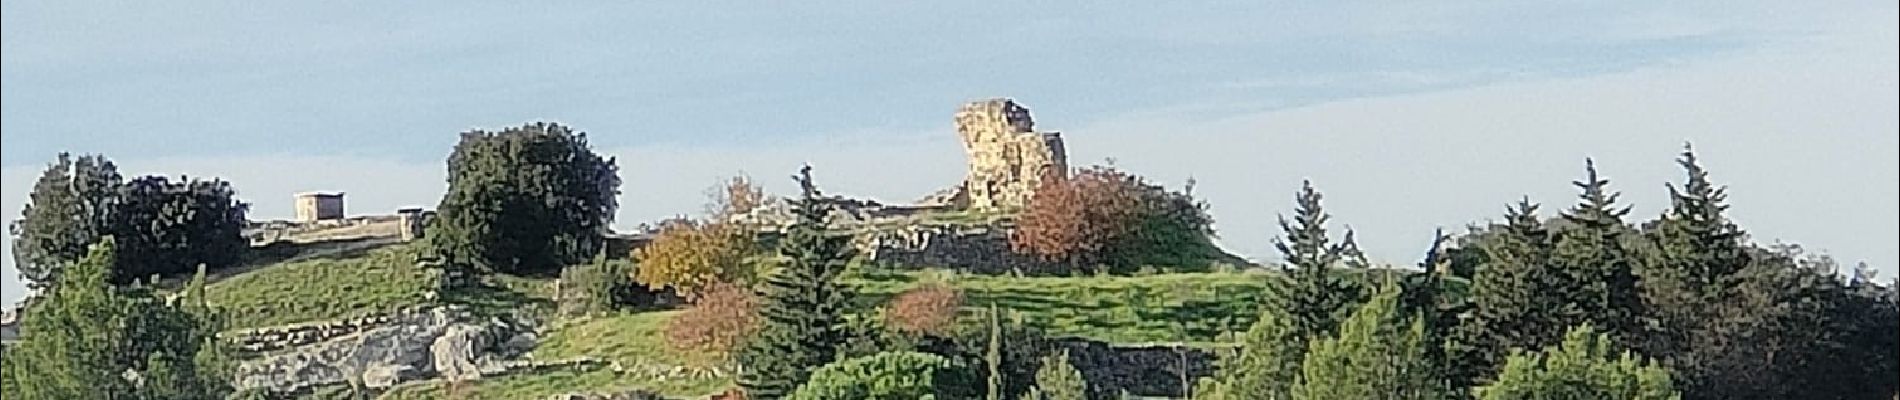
718,321
1103,217
930,309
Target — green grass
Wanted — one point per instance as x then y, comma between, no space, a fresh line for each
1196,308
322,289
632,339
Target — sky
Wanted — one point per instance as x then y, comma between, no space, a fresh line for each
1409,116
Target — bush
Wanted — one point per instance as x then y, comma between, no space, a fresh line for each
1584,367
890,375
688,256
718,321
930,309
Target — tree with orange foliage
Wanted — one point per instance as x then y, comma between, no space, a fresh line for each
688,256
1077,219
1102,216
724,316
930,309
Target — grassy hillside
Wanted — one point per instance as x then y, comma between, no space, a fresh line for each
1182,307
323,288
1193,308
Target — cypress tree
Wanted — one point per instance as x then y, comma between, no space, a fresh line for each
805,304
993,356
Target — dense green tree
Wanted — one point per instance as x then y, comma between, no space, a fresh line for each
89,339
68,210
1058,380
1512,300
166,227
163,227
1586,366
1380,352
1595,264
805,303
896,375
1698,252
1316,295
532,198
1264,367
993,357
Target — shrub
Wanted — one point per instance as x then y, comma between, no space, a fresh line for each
718,321
930,309
688,256
889,375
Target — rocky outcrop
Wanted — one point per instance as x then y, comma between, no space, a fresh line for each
1007,156
379,352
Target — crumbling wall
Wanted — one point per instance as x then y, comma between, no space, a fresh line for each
1007,156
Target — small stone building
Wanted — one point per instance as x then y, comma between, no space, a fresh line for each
319,206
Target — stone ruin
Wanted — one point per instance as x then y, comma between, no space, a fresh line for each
1007,156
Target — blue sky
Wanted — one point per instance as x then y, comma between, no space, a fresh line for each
1410,116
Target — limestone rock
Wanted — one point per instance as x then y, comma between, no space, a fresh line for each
1007,156
377,352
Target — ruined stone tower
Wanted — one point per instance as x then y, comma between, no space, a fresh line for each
1007,156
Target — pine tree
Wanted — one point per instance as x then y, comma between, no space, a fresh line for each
1585,366
1699,252
1264,367
805,304
1059,380
89,339
1315,296
1595,265
1379,353
1512,298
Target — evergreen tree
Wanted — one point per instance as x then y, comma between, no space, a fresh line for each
1059,380
1264,367
805,304
1315,296
1379,353
1584,367
993,357
528,199
91,340
67,211
1512,298
1595,264
1698,253
165,227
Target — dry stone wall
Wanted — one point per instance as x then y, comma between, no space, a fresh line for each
1152,371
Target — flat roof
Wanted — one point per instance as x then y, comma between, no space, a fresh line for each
320,193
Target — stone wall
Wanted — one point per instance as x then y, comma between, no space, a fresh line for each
1139,370
1007,156
973,249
